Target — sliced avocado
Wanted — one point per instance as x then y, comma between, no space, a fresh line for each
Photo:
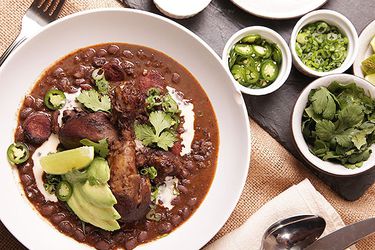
368,65
98,172
99,195
107,213
84,213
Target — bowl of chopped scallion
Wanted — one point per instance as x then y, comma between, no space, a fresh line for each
323,42
333,124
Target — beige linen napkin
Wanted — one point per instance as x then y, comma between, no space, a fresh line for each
298,199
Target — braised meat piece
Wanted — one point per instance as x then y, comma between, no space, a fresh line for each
132,191
128,102
113,72
79,125
37,127
152,79
166,163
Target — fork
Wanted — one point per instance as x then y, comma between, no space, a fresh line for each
39,14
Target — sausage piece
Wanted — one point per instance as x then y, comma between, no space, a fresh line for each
37,127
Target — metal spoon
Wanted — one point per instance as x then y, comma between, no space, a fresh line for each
293,233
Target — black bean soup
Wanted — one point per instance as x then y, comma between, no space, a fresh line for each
133,70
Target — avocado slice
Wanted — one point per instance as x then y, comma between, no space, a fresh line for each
98,172
107,213
98,195
84,213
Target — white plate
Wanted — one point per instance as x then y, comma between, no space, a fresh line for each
23,68
364,48
279,9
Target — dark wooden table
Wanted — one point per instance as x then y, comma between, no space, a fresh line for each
222,18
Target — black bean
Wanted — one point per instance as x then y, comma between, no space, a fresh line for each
185,182
86,86
29,101
184,173
59,72
99,61
192,201
57,218
176,200
176,219
26,168
102,245
113,49
32,192
198,157
79,235
131,243
176,78
25,113
141,54
101,52
47,209
128,54
79,81
148,63
128,67
182,189
165,227
38,104
77,59
79,71
27,180
66,227
19,135
142,236
184,212
88,53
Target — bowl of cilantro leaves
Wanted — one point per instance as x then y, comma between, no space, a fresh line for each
333,124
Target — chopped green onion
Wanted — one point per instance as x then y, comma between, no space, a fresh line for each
151,172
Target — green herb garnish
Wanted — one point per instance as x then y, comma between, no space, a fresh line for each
91,99
151,172
159,133
100,147
338,124
321,47
51,183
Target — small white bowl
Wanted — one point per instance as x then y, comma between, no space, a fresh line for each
328,167
271,36
181,9
332,18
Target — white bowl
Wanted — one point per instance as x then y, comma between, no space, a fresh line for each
83,29
364,48
271,36
332,18
181,9
327,166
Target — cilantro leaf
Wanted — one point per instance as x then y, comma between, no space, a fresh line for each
100,147
324,103
344,139
349,116
325,130
158,133
92,100
359,139
166,140
145,134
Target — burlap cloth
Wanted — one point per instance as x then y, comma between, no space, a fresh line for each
273,169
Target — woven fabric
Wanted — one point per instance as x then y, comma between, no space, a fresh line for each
272,170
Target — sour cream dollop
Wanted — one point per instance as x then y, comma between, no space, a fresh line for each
187,112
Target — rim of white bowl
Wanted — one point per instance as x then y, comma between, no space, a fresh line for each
225,216
334,18
330,168
269,35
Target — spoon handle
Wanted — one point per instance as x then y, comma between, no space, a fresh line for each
345,237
